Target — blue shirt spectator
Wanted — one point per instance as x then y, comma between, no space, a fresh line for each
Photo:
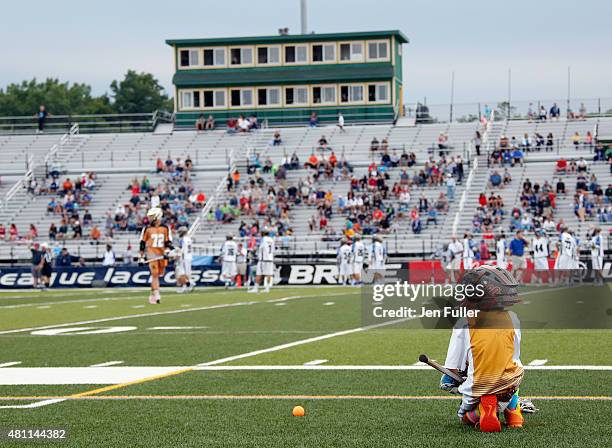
517,247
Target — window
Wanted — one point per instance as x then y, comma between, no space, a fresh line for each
268,55
351,93
378,93
241,56
214,98
190,99
214,57
241,97
351,51
296,54
378,49
324,95
324,53
268,96
295,96
189,58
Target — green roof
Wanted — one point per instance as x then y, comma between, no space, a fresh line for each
284,75
289,38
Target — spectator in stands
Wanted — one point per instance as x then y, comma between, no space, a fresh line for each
313,122
200,123
477,141
77,230
109,257
550,142
95,234
495,180
128,256
52,232
582,112
2,232
13,232
526,143
561,166
588,140
507,177
542,114
41,117
341,122
231,125
374,146
517,157
576,140
322,143
32,232
277,140
442,143
63,259
581,165
555,112
210,123
450,187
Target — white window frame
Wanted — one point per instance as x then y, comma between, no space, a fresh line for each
378,42
189,92
267,89
242,105
215,105
296,46
215,62
350,97
242,49
324,103
378,84
333,45
191,50
352,59
295,104
268,47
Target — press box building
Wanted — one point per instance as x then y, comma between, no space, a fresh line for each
284,78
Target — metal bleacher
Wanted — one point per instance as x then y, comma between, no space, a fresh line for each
117,158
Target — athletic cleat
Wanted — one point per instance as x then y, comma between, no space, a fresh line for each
152,300
514,417
488,414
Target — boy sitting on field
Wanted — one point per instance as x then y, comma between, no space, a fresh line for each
486,348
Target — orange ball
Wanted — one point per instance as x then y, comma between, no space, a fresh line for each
298,411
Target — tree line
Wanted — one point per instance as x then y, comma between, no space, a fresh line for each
135,93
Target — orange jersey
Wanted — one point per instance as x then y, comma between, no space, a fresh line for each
154,240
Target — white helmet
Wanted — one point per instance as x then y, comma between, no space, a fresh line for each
155,213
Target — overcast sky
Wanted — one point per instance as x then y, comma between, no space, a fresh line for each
97,41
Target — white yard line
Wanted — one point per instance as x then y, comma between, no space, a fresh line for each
316,362
107,364
9,364
36,404
367,368
538,362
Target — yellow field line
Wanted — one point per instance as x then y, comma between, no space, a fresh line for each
88,396
129,383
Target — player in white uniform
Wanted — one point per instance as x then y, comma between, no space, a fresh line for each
241,264
456,250
468,251
359,252
344,257
376,259
565,261
597,256
501,252
539,246
265,263
183,263
229,269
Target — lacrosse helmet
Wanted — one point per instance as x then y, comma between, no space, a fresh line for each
155,214
499,288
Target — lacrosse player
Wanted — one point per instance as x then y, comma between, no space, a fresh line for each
597,256
539,246
183,263
456,249
156,244
501,251
377,256
358,250
468,251
229,252
566,259
265,263
486,350
344,258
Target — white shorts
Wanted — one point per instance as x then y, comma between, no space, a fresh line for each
597,263
265,268
455,263
183,268
502,263
540,263
467,263
564,263
242,268
357,267
519,262
345,270
228,270
378,265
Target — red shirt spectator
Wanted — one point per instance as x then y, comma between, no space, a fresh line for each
2,231
13,232
68,186
482,200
